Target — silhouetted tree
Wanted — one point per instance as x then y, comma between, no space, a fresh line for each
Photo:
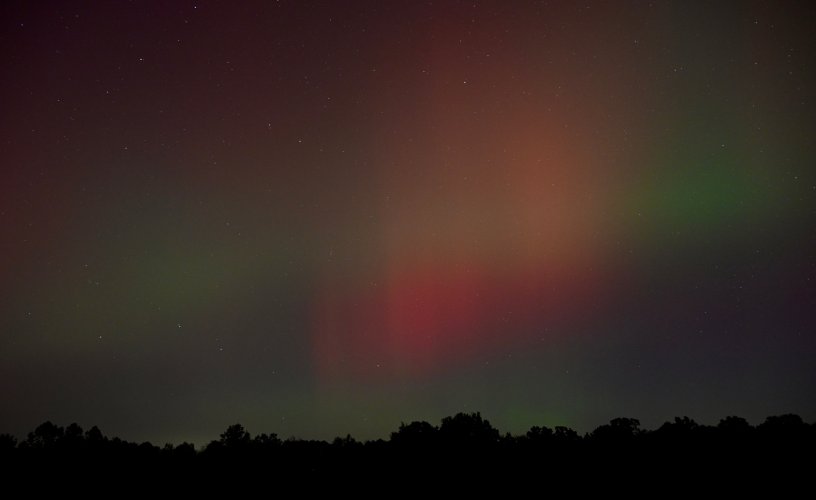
734,426
540,434
415,434
682,437
510,442
782,424
734,435
783,430
45,435
74,438
565,435
617,430
347,442
94,436
266,442
233,441
682,428
468,428
235,436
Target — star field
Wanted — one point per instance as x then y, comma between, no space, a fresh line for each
320,218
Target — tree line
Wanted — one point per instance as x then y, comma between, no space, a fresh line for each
461,431
463,443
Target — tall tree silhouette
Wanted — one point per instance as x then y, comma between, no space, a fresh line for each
45,436
416,434
618,430
468,429
235,437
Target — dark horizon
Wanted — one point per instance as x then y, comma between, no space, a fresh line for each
327,217
677,421
471,428
464,450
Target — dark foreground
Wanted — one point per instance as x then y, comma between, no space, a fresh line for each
465,450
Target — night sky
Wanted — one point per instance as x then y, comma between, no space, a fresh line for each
320,218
